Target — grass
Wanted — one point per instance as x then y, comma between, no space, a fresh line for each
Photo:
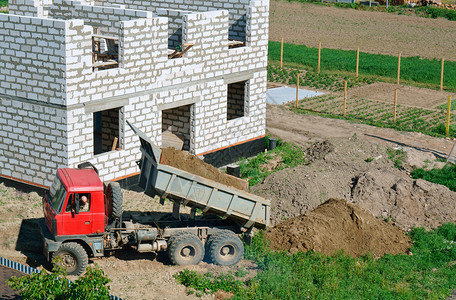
397,156
445,176
430,273
3,3
414,70
285,155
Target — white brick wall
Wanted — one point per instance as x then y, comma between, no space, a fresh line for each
61,131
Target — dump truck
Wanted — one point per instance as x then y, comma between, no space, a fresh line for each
218,215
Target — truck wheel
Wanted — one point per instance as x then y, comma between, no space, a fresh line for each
114,195
225,248
74,258
185,249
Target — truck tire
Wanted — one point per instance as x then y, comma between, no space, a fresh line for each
114,195
225,248
74,258
185,249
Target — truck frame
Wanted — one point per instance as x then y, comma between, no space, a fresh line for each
75,235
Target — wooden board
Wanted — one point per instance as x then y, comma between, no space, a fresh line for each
170,139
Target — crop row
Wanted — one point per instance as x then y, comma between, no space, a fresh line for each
427,121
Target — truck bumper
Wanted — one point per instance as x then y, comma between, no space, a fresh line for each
49,244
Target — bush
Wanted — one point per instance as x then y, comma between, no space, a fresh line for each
55,285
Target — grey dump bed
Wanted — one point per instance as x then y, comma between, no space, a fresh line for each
196,191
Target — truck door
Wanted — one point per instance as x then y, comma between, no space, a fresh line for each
78,217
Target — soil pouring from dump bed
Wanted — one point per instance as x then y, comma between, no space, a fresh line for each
192,164
337,225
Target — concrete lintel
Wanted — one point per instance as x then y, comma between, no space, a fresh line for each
175,104
236,77
231,78
31,101
105,104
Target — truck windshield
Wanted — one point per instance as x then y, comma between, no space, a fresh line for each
57,194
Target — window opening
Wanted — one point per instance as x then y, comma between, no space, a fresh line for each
176,127
236,100
105,52
108,130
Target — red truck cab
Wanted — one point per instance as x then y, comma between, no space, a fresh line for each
63,210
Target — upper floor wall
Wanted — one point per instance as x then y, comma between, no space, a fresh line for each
238,10
143,41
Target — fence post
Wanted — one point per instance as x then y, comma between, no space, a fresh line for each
319,56
345,98
297,91
447,127
395,106
441,75
281,55
357,62
398,68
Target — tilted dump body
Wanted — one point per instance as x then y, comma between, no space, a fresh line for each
195,191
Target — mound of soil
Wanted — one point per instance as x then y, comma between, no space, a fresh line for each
192,164
318,150
390,194
338,225
295,191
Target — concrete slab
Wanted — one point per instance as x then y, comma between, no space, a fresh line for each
285,94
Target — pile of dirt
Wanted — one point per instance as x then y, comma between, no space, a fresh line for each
318,150
338,225
297,190
185,161
390,194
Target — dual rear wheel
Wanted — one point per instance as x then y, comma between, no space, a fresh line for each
223,248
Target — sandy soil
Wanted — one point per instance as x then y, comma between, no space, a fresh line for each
335,225
373,32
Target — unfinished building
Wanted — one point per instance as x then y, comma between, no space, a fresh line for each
73,72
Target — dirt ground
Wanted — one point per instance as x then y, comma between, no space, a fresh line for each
356,167
348,161
406,95
133,275
373,32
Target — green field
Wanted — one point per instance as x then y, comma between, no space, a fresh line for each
414,70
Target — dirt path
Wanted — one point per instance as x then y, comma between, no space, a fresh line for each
373,32
306,129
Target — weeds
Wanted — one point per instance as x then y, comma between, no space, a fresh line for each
333,82
445,176
285,155
427,274
397,156
210,283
